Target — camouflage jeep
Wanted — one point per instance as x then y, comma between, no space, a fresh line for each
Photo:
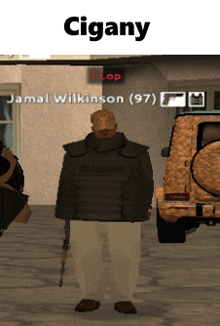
190,194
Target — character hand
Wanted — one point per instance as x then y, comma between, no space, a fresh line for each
149,211
24,215
7,153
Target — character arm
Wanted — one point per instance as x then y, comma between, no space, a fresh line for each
66,189
6,152
147,170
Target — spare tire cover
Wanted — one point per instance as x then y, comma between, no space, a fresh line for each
205,168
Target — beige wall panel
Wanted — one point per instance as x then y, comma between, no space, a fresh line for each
46,127
10,74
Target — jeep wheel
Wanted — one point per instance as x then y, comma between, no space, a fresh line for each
205,168
169,232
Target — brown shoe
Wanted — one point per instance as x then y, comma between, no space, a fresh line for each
87,305
126,307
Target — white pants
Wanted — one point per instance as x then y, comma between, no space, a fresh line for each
124,243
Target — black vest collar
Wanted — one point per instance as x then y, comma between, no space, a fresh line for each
103,145
126,147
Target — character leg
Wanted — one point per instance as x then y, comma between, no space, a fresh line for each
124,240
86,248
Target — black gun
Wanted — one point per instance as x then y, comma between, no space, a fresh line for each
65,249
168,96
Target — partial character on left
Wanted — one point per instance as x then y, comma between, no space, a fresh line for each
13,203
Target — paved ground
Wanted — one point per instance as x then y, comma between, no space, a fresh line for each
179,284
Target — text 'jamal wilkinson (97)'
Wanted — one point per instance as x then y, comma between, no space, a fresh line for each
67,98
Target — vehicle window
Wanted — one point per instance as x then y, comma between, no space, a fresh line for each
208,132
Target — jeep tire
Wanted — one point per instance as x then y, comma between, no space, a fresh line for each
169,232
205,168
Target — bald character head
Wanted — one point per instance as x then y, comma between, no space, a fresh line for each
104,126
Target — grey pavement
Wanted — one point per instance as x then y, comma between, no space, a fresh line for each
179,284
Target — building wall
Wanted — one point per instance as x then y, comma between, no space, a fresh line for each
190,69
10,74
46,127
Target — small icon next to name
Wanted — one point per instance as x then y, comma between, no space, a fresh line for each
173,99
196,99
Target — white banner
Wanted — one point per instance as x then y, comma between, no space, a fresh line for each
42,28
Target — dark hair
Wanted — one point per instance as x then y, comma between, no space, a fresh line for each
1,146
